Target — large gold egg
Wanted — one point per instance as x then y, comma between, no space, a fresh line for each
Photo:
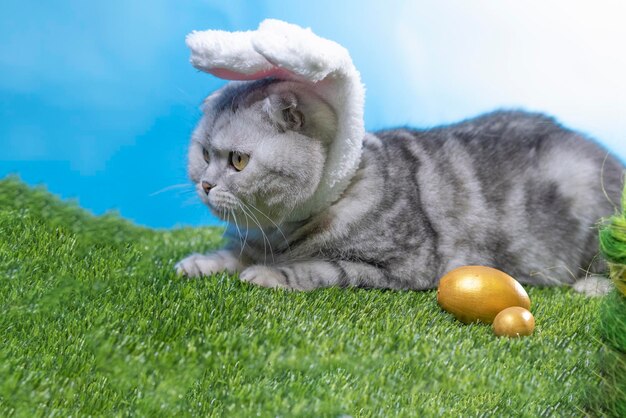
479,293
514,322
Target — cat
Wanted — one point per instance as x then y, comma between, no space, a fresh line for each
509,189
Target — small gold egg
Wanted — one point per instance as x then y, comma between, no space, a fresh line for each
479,293
514,322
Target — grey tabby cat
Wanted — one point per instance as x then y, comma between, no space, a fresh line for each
509,189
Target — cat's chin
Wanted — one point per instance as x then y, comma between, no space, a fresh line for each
230,208
227,212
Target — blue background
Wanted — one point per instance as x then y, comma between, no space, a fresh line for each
97,99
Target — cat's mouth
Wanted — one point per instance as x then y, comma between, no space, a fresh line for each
221,206
224,205
232,209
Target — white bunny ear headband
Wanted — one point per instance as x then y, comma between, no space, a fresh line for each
286,51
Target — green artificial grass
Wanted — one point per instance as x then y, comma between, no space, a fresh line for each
613,245
611,396
94,321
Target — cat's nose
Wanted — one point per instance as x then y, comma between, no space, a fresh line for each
206,186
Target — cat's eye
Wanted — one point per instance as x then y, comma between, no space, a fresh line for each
238,160
205,154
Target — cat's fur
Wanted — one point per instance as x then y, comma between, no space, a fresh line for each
509,189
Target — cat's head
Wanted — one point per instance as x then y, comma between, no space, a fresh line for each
260,149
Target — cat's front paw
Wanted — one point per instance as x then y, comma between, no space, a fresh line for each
265,276
207,264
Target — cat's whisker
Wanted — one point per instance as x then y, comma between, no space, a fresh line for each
250,205
191,202
237,226
287,214
189,191
226,217
265,238
172,187
245,240
257,224
247,229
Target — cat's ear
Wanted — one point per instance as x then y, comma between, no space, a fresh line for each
284,111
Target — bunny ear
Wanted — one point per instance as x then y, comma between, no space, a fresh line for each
300,51
276,49
227,55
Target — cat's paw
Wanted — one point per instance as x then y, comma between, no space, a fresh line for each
264,276
593,286
206,264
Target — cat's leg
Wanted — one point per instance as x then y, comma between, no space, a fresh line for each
593,285
309,275
206,264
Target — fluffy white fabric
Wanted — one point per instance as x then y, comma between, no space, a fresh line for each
287,51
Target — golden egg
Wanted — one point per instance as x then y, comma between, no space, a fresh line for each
514,322
479,293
